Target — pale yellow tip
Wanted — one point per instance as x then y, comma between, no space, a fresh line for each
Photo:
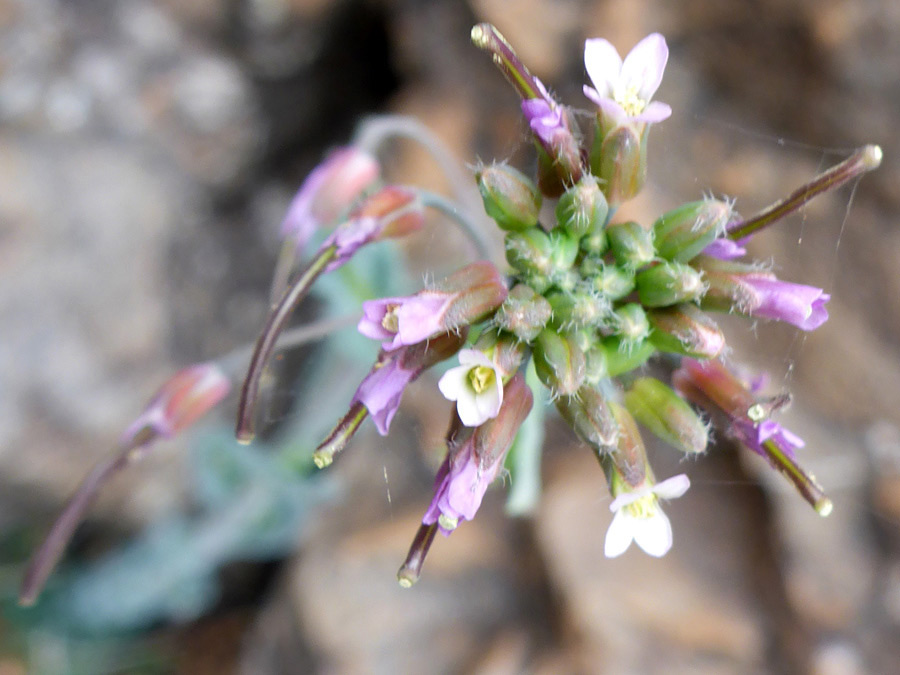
246,438
871,156
322,460
479,35
824,507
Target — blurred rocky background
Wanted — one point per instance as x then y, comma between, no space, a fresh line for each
147,153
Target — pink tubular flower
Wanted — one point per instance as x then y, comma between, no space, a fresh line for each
463,298
803,306
623,89
328,190
381,390
390,213
187,396
470,468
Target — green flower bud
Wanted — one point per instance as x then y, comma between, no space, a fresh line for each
627,463
529,251
567,280
685,329
524,313
631,244
684,232
667,415
669,283
589,414
510,197
611,280
559,362
579,309
726,288
622,357
563,251
621,164
631,323
583,210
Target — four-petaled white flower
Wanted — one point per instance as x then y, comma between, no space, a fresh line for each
623,89
639,518
476,386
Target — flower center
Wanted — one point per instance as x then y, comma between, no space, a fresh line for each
481,378
631,103
645,507
390,322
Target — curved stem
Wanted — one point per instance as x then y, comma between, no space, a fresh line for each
411,569
863,160
471,230
806,485
373,132
340,435
48,555
265,344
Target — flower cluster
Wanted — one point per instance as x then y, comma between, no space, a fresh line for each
586,298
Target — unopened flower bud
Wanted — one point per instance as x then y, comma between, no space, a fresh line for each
524,313
685,329
621,163
669,283
666,414
684,232
529,251
631,323
583,210
627,465
559,362
563,251
510,197
181,401
623,357
589,414
579,309
631,244
612,281
463,298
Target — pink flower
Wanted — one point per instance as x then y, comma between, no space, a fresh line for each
803,306
381,390
623,89
390,213
330,189
464,297
725,249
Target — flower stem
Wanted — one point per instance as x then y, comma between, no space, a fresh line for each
863,160
340,435
412,568
265,344
48,555
806,484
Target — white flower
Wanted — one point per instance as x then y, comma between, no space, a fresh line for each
623,89
639,518
476,386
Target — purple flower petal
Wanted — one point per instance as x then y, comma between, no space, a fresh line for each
725,249
800,305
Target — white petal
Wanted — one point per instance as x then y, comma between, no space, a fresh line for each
454,384
469,412
644,66
488,403
654,534
619,535
628,497
672,487
603,64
